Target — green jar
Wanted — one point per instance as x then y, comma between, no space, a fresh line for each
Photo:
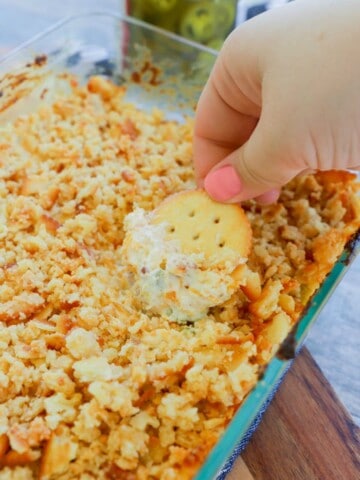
204,21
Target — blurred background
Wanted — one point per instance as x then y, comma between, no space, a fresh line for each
206,21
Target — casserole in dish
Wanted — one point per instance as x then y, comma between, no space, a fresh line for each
92,387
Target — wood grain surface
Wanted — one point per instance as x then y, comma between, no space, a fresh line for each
306,434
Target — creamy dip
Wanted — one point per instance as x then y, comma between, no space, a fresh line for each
181,287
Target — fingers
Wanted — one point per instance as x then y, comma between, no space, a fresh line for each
271,196
256,170
229,107
239,145
259,122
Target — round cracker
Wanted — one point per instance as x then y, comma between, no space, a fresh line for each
205,226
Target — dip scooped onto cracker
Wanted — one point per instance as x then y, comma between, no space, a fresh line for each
186,256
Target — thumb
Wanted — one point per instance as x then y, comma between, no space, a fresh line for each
257,169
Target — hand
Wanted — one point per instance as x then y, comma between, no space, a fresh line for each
283,99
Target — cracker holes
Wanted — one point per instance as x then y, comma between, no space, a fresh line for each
221,244
171,229
192,214
216,220
196,237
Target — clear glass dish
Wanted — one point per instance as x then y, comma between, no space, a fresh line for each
161,70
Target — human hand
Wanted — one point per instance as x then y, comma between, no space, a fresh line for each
283,99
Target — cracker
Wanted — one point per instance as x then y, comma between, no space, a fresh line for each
205,226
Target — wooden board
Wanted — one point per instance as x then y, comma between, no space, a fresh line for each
306,433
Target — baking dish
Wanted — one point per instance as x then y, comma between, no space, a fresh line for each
168,72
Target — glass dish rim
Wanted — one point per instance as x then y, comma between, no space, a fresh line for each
254,402
104,13
275,370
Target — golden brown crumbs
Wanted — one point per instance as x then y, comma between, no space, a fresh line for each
90,387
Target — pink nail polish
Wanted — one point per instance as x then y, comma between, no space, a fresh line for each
223,184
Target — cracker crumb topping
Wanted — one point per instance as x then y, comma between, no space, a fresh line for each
91,385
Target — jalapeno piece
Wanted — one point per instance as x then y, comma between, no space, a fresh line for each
152,7
225,14
199,22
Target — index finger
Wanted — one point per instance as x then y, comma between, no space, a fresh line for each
228,109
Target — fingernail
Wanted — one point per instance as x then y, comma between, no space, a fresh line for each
223,184
271,196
